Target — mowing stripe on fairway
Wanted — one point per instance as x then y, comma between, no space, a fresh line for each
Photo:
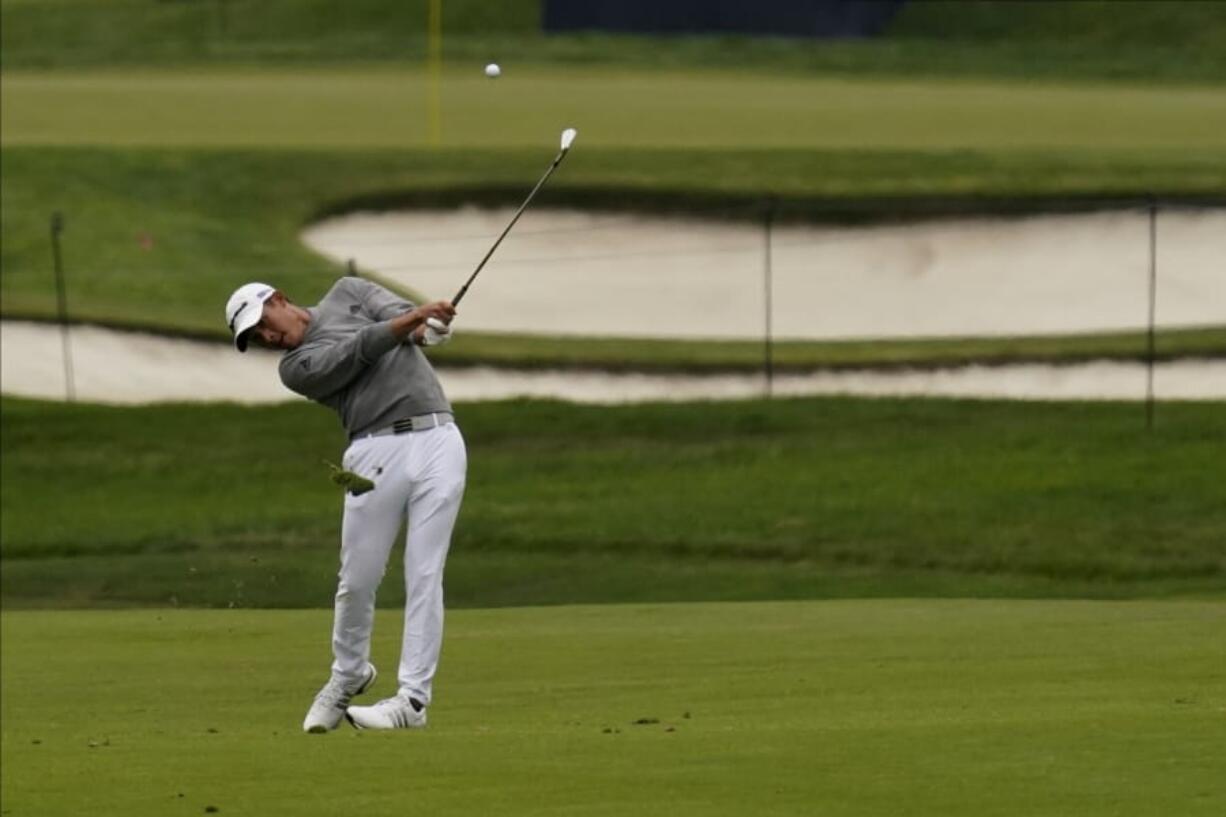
834,708
384,107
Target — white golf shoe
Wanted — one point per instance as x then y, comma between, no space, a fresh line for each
400,712
329,706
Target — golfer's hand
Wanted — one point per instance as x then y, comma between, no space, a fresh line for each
439,310
410,324
433,333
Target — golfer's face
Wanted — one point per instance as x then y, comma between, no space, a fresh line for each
278,327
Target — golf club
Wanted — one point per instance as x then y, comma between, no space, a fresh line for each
568,137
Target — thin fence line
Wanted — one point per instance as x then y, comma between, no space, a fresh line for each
61,297
1150,330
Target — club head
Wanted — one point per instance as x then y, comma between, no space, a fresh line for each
568,136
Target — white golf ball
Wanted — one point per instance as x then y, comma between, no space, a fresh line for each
492,70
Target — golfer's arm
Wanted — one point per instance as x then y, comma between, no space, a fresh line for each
382,304
403,326
378,302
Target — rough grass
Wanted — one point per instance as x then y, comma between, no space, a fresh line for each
221,505
847,709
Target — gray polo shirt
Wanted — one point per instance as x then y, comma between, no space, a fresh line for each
350,361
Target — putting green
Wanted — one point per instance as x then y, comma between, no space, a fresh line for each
833,708
385,107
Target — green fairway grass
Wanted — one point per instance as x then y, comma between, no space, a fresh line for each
385,108
938,708
219,505
826,606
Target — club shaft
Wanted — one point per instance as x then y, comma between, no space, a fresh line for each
557,161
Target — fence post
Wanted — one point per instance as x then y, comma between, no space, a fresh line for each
768,293
61,297
1151,350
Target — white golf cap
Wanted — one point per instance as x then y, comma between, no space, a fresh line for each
244,310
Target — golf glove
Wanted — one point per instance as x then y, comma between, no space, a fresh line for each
436,333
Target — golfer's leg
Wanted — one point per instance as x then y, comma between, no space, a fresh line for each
440,463
368,531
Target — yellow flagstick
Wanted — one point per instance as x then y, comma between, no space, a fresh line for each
434,65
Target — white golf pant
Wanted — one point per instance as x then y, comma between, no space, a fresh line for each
419,475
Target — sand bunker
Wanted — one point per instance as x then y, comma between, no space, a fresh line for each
647,276
565,272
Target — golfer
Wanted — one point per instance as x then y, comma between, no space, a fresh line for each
357,352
